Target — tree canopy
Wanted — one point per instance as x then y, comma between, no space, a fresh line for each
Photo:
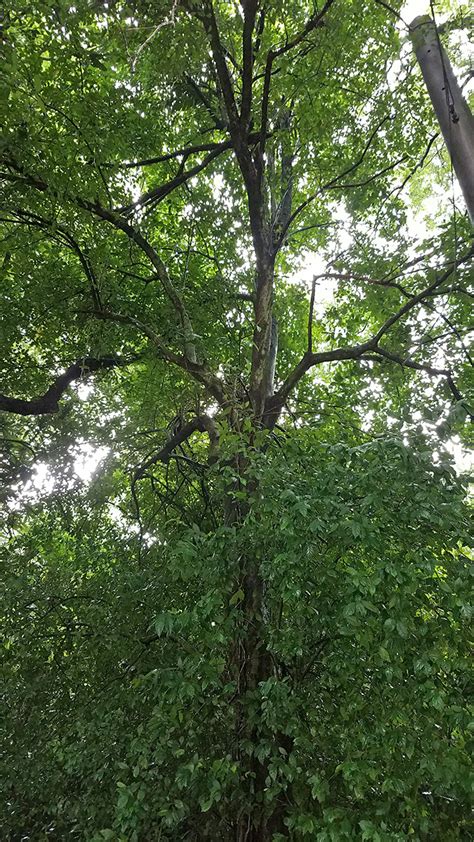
235,273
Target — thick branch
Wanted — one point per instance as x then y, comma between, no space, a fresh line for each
311,359
201,423
250,11
185,153
49,402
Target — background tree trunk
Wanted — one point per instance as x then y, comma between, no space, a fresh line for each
451,109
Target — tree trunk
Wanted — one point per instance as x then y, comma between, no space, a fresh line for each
252,664
452,111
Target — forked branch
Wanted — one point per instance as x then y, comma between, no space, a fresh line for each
201,423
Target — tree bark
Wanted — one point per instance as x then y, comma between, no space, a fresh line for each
451,109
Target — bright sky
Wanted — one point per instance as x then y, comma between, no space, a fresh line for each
414,8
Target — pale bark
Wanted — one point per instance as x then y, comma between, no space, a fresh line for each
451,109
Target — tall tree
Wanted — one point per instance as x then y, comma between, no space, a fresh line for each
252,623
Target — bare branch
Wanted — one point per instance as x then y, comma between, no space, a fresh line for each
185,152
370,177
310,317
166,22
311,359
250,11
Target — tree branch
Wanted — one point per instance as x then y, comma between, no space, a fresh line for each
157,194
250,11
122,224
201,423
310,316
49,402
61,234
185,153
210,24
332,184
416,299
315,21
197,370
275,403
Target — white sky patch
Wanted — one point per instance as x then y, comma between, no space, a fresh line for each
313,264
42,480
128,528
463,458
40,485
413,8
84,391
88,460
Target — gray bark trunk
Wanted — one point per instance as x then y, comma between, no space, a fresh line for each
453,114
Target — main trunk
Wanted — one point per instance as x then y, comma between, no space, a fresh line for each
252,664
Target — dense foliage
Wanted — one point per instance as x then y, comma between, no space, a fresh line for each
250,621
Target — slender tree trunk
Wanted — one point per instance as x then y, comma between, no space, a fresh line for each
452,110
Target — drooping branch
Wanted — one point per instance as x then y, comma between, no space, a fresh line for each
48,403
61,234
429,369
425,293
19,176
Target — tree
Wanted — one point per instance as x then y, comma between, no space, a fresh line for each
252,623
